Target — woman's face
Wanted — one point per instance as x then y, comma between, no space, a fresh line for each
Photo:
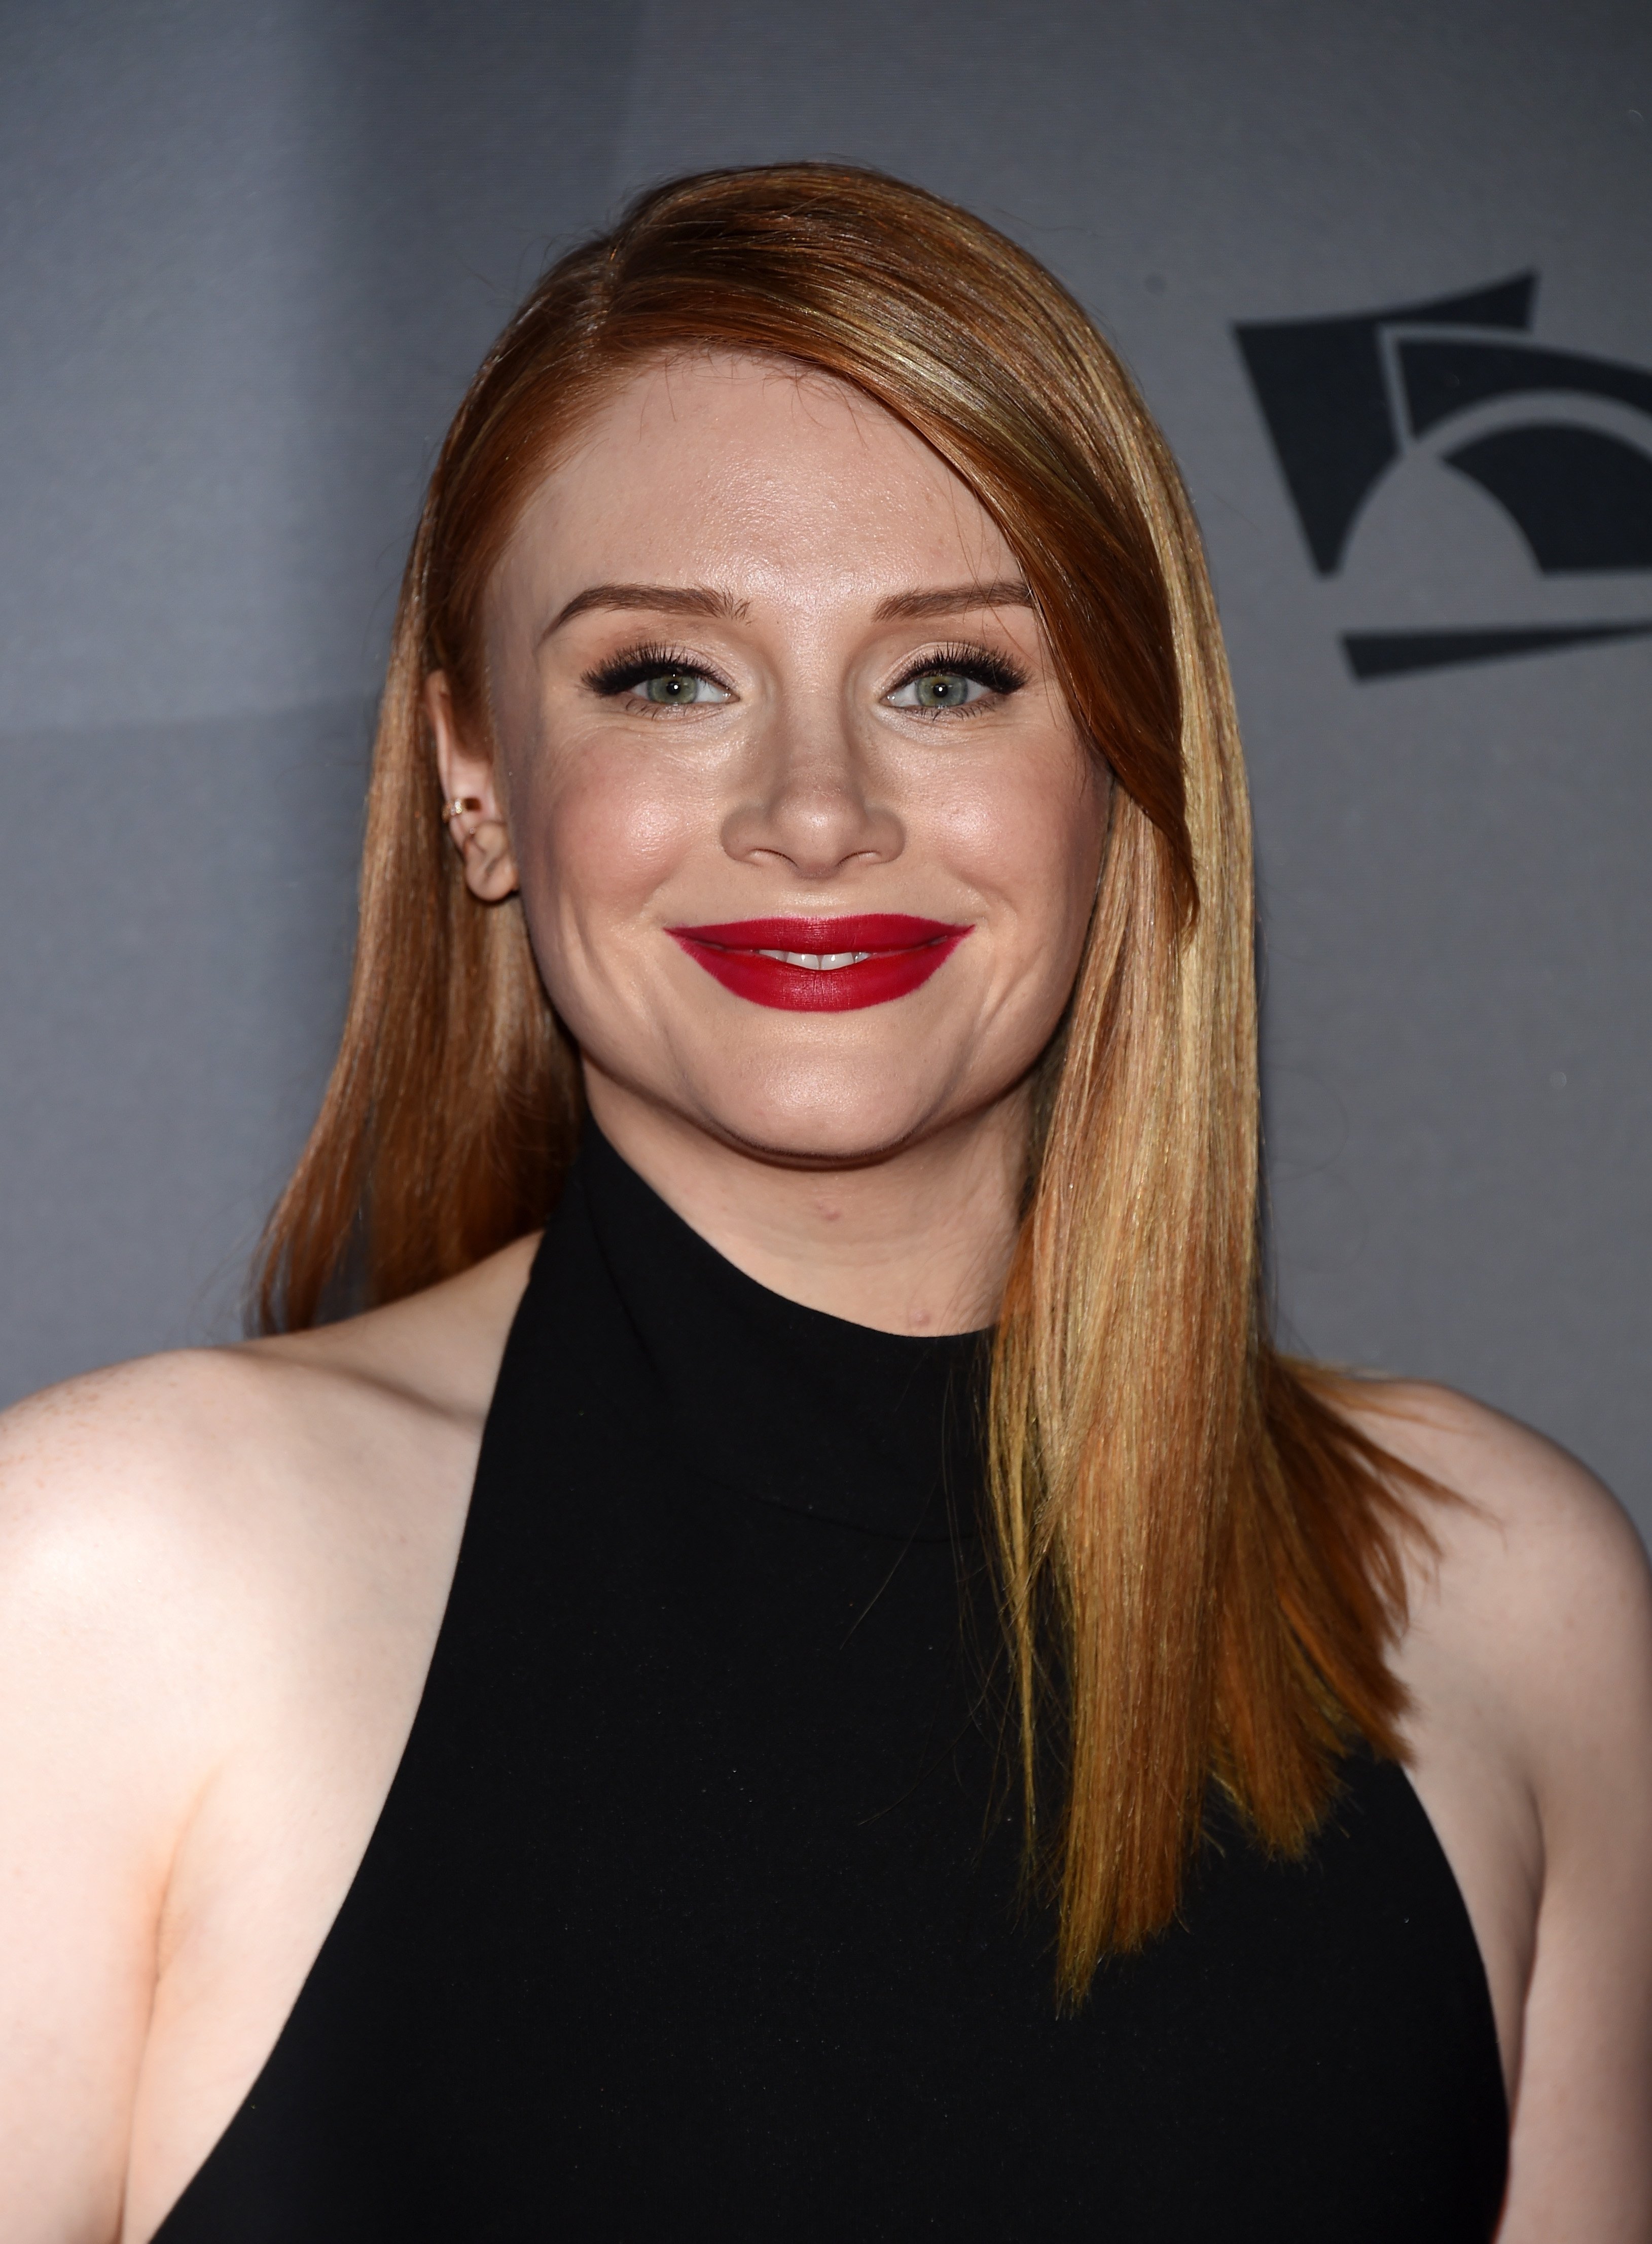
805,840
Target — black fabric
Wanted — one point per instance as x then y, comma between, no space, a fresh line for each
689,1911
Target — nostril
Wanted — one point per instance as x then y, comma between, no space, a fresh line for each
815,825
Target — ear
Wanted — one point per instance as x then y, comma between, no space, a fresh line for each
479,835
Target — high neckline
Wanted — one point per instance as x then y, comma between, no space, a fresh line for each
779,1403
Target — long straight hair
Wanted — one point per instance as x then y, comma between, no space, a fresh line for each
1200,1556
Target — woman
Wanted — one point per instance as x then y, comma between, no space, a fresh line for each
844,1770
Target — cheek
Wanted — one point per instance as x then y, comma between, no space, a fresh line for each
1031,837
601,831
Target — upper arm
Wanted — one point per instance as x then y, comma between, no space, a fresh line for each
221,1575
1582,2159
97,1717
1541,1617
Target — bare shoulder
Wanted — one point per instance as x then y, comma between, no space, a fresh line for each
175,1420
436,1351
1511,1474
230,1472
117,1472
1529,1660
1530,1626
1540,1580
150,1516
1527,1657
221,1574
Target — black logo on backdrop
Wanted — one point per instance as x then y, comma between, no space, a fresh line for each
1345,399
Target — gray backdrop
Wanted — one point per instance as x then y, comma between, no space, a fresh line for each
251,256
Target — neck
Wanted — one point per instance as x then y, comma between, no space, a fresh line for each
915,1241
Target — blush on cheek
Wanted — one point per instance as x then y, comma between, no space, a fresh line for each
1033,842
595,852
606,844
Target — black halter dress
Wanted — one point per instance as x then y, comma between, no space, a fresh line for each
690,1911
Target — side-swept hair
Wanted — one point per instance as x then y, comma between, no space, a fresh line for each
1201,1562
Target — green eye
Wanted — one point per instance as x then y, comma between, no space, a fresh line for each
943,689
673,688
938,689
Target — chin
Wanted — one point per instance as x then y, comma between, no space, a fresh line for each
820,1121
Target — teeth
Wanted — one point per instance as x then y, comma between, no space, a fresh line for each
818,961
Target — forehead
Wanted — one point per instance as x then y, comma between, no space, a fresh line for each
725,469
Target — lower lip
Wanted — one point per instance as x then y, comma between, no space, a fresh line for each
904,954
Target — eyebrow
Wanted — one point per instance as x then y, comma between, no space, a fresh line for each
953,599
668,599
707,600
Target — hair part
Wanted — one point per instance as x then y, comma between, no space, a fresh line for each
1200,1555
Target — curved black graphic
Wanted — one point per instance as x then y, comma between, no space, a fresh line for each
1580,498
1389,654
1443,378
1342,398
1322,391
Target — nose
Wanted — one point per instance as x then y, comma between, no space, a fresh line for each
808,804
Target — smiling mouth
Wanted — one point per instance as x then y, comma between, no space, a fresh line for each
818,961
822,965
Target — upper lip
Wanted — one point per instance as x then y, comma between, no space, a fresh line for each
867,931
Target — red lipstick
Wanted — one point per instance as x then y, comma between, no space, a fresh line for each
864,959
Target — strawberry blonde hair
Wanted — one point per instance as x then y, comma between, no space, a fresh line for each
1200,1555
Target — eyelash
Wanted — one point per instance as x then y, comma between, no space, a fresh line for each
624,672
978,664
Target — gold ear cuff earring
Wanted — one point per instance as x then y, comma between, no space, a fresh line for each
460,804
